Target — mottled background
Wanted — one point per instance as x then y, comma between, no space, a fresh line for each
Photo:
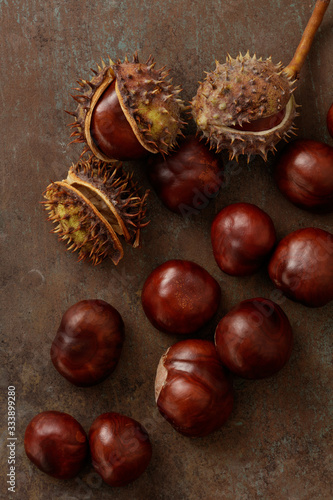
277,442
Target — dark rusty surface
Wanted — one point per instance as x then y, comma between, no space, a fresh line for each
276,445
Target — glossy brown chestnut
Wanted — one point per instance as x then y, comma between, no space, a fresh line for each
254,340
192,390
304,174
120,448
302,266
180,296
88,343
330,120
242,236
111,131
56,443
188,179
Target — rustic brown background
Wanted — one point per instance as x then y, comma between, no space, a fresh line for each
277,443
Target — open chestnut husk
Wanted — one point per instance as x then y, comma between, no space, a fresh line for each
180,297
242,236
88,343
56,443
246,104
254,340
304,174
192,389
127,110
187,179
302,266
120,448
96,205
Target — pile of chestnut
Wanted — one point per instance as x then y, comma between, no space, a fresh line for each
254,340
193,385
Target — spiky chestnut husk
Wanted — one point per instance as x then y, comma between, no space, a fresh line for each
93,206
240,92
147,98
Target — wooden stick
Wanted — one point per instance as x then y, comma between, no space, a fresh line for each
295,65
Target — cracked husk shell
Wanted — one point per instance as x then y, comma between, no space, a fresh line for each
238,92
147,97
94,207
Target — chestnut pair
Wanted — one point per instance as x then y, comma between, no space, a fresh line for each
243,238
193,388
58,445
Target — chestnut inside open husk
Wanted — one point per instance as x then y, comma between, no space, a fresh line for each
180,297
246,105
193,392
56,443
127,110
120,448
88,343
111,131
254,340
302,266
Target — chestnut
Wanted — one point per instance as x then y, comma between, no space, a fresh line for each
111,130
120,448
254,340
192,390
56,443
88,343
304,174
302,266
330,120
180,296
127,110
242,237
186,180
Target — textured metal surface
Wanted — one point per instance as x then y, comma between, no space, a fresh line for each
277,444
